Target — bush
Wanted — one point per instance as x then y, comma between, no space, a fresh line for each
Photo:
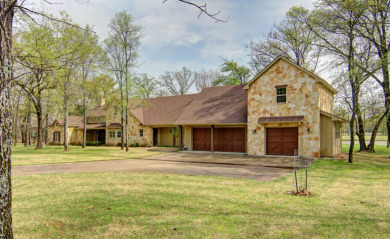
135,144
93,143
119,144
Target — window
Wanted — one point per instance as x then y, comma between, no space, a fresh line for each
119,134
112,134
281,95
141,133
337,131
116,111
57,136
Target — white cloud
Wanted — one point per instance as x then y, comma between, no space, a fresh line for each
173,34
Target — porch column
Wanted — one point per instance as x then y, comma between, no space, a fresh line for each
212,138
180,137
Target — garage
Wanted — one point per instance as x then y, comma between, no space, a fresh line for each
202,139
225,139
281,141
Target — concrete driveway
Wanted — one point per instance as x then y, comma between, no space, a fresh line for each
224,165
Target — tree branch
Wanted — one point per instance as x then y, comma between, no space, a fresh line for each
203,9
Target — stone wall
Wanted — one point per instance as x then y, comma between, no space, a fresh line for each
326,102
302,99
134,128
75,135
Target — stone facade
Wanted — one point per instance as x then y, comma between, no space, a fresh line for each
326,100
113,116
75,135
302,98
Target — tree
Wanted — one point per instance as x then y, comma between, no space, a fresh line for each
237,74
124,40
70,41
147,85
7,10
6,75
90,55
335,24
374,27
35,52
178,82
290,38
204,79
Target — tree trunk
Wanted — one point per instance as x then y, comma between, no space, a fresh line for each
6,13
371,145
122,121
66,133
39,119
17,120
352,142
47,128
29,126
26,135
360,124
127,125
85,125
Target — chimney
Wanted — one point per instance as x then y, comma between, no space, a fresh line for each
102,101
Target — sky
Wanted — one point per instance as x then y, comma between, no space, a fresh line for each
174,37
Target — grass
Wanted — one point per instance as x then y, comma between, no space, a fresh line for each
349,201
367,137
56,154
380,150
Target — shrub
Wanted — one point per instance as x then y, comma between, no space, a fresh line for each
93,143
135,144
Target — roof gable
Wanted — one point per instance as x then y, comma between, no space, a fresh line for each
316,77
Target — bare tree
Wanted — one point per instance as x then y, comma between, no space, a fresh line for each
205,78
147,85
290,38
178,82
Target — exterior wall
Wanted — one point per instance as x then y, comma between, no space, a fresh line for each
331,142
112,141
327,136
187,140
302,99
75,135
134,133
326,102
338,142
111,117
166,138
51,131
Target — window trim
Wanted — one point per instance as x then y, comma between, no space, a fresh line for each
118,133
141,133
281,95
57,136
112,133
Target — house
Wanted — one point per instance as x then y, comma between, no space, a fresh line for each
284,110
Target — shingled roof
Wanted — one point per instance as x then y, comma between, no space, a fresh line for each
73,121
214,105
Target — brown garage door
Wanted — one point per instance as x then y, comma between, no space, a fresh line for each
229,139
225,139
282,141
202,139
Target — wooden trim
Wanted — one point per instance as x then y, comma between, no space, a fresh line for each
280,86
212,138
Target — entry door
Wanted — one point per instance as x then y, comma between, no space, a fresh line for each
281,141
155,137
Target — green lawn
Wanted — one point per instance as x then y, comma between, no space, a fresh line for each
367,137
56,154
349,201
